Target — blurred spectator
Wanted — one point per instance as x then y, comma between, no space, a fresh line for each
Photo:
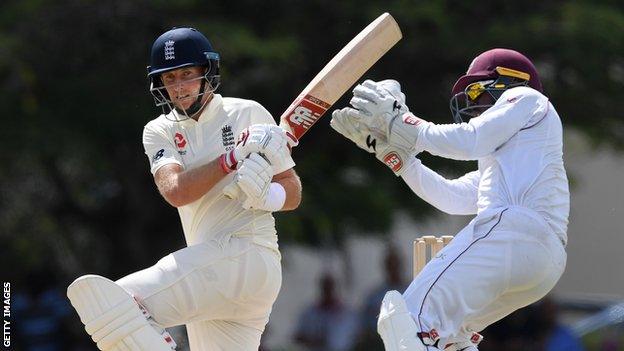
43,316
327,325
535,327
558,337
369,340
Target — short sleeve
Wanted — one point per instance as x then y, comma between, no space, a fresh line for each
159,149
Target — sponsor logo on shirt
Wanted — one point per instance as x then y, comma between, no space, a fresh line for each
227,137
513,99
158,155
180,143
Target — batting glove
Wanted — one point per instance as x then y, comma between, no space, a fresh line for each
253,177
267,139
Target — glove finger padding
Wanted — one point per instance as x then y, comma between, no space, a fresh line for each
277,154
250,139
254,176
363,105
368,90
259,134
393,88
345,122
278,149
381,102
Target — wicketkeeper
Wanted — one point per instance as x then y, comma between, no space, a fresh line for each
512,253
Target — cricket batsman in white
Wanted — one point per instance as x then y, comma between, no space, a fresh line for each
512,253
224,283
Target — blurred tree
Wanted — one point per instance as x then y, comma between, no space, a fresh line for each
76,190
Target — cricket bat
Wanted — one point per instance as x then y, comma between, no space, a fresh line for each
340,74
336,78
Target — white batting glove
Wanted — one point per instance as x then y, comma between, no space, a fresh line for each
267,139
380,102
253,177
278,148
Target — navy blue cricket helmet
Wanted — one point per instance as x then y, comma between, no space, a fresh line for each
178,48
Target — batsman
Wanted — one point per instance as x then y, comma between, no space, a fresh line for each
223,284
513,251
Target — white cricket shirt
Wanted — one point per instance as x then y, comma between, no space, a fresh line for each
191,144
518,143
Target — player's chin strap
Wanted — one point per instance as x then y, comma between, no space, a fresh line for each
197,104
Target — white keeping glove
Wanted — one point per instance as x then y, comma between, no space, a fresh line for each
253,177
392,155
268,139
347,122
384,111
380,102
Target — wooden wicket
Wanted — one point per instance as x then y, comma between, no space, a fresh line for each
421,256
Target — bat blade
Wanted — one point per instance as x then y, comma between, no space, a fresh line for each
335,78
340,74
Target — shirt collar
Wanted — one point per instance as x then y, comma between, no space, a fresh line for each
214,106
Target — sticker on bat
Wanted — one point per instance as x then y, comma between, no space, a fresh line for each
305,113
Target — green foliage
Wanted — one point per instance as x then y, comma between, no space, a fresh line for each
76,190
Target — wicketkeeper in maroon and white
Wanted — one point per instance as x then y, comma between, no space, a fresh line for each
512,253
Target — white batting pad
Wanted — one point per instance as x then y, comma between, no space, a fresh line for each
396,326
112,317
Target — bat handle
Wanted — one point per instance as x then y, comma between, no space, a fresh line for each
231,191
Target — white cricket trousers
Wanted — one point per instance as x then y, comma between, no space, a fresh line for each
493,267
222,292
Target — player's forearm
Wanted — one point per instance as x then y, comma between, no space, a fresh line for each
483,135
189,185
455,196
454,141
292,186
